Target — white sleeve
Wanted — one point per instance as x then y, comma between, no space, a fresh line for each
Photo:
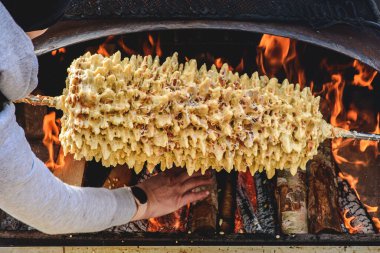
32,194
18,63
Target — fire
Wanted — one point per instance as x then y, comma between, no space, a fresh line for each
125,48
376,222
365,75
167,223
218,63
152,45
51,132
371,209
347,223
61,50
350,118
352,181
240,67
238,222
102,49
277,53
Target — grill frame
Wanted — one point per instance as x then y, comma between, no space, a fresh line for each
340,38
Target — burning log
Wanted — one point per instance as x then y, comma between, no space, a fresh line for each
227,204
246,205
323,208
204,213
291,202
355,216
266,210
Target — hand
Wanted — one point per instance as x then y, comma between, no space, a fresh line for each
170,190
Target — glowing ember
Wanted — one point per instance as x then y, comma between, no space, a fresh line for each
348,225
238,222
51,133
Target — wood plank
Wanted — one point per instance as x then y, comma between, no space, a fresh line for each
72,171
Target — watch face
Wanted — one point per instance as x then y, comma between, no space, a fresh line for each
139,194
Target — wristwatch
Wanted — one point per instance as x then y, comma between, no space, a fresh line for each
139,195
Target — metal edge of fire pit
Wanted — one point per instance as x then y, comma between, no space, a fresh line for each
361,43
34,238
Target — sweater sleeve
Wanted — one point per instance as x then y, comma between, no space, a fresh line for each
18,63
32,194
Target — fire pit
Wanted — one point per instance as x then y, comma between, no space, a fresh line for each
335,202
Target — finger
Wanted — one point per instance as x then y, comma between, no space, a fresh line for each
193,196
184,176
195,182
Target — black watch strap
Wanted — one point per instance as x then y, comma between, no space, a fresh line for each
139,194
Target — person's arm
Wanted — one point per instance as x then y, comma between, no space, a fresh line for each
30,192
18,63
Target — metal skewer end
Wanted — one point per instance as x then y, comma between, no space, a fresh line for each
38,100
362,136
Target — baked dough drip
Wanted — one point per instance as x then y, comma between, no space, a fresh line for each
136,111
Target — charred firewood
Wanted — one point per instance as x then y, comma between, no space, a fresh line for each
227,205
204,212
355,216
266,207
246,204
291,202
323,207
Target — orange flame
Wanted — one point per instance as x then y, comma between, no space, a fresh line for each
102,47
218,62
51,132
125,48
167,223
152,45
371,209
347,223
61,50
365,75
240,67
376,221
349,118
276,53
352,181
